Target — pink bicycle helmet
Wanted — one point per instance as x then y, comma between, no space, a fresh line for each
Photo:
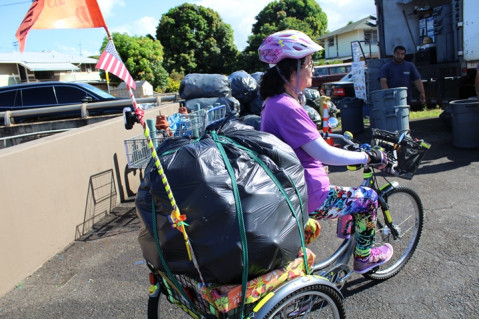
286,44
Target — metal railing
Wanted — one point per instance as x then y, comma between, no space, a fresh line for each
4,140
9,116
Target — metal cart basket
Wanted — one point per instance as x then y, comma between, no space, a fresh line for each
192,124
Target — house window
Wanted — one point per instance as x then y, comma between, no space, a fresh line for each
44,75
331,41
371,36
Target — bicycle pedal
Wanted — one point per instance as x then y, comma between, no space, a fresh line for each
339,275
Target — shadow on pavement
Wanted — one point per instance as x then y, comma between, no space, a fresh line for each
121,220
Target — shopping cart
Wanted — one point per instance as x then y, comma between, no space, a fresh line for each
193,125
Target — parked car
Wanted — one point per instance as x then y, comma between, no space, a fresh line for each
338,90
329,73
46,94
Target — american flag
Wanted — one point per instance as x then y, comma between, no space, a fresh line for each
111,62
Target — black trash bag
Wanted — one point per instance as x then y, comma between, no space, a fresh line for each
313,115
243,86
312,98
257,76
251,120
255,106
232,104
203,190
197,85
311,94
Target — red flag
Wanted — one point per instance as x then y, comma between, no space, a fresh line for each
111,62
69,14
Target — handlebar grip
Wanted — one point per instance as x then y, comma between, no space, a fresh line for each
354,167
348,135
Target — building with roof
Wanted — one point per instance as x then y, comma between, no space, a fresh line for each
16,67
337,44
143,89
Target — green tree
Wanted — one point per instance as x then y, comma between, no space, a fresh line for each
303,15
195,39
143,57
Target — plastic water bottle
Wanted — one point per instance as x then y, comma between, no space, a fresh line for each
344,226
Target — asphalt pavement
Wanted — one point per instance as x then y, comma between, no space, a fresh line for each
104,276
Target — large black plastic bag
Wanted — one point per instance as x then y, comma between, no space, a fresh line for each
196,85
203,191
243,86
232,104
257,76
252,120
255,106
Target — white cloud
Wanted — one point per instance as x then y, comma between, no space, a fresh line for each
140,27
145,25
106,6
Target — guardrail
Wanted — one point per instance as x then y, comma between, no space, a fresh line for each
9,116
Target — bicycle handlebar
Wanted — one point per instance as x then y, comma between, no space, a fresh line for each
347,137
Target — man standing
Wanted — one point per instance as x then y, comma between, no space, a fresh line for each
400,73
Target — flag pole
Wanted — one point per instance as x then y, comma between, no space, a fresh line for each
176,218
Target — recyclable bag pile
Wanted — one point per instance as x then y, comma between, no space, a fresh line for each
204,188
203,90
245,88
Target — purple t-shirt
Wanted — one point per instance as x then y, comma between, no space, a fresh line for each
284,117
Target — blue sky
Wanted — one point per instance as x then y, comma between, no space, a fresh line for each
140,17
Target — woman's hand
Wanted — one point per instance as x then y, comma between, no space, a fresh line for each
377,158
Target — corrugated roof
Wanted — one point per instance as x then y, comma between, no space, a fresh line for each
358,25
51,57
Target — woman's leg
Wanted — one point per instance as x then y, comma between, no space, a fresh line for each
361,202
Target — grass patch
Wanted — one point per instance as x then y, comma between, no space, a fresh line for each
415,115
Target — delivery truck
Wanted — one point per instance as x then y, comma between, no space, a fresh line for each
441,38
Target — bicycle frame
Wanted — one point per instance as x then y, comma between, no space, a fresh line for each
331,267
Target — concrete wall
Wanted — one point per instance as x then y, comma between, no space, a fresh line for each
51,188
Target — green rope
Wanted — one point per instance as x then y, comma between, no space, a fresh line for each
255,157
239,211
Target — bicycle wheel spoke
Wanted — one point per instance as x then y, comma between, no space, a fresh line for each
309,302
405,209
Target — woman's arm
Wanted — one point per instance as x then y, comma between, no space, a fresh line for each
331,155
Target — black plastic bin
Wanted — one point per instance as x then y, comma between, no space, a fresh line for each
351,114
465,123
